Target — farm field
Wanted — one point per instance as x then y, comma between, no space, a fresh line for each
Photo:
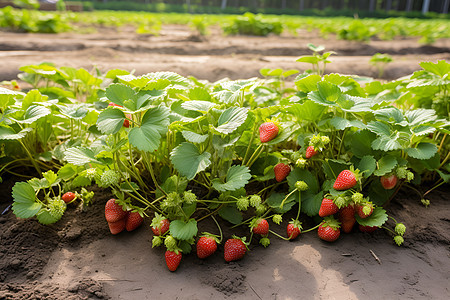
78,258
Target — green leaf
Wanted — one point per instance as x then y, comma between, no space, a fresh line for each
154,124
308,110
341,123
275,199
385,165
445,177
237,177
188,160
120,94
34,113
80,156
197,105
422,151
183,231
44,217
361,143
367,165
231,119
311,203
31,97
25,205
110,120
306,176
67,172
81,181
308,83
377,218
390,115
74,111
51,177
420,116
7,133
193,137
441,68
231,214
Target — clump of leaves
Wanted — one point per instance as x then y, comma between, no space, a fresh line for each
251,24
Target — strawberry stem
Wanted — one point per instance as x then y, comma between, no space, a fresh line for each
311,229
280,236
220,229
287,196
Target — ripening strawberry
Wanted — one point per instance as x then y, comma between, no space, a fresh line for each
328,208
364,210
268,131
293,229
113,211
388,181
206,246
345,180
347,218
173,259
160,225
234,249
329,230
261,226
310,152
117,227
281,171
133,221
368,229
68,197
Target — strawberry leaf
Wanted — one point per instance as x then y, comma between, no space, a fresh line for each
308,110
183,231
110,120
274,201
231,119
25,205
80,156
422,151
188,160
237,177
44,217
7,133
119,93
311,203
385,165
367,165
377,218
154,124
231,214
194,137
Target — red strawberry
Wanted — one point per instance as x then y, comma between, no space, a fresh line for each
114,105
364,210
328,208
345,180
347,218
234,249
133,221
173,259
117,227
206,246
293,229
160,225
329,230
388,181
68,197
113,211
260,226
368,229
126,123
268,131
310,152
281,171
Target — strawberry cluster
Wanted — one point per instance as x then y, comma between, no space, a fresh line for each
119,219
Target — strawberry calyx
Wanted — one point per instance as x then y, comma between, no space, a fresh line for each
297,224
242,239
212,236
330,222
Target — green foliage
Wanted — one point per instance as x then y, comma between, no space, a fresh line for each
250,24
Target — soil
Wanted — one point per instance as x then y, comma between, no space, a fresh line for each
77,258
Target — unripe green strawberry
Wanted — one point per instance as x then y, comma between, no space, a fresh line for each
109,178
57,207
398,240
268,131
277,219
170,242
156,241
357,198
301,185
265,242
189,197
255,200
400,229
242,203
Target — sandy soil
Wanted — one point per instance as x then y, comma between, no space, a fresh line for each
77,258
